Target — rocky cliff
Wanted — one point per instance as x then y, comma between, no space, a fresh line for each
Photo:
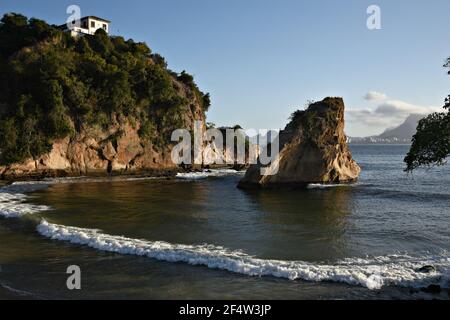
94,105
313,149
91,151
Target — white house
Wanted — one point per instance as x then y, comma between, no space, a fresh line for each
87,25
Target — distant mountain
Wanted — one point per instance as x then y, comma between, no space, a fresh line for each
404,131
398,135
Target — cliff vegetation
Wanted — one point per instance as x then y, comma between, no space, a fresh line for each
53,87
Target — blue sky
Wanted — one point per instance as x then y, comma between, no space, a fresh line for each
263,59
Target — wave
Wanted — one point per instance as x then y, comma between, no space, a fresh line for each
327,186
407,195
13,205
207,174
34,185
372,273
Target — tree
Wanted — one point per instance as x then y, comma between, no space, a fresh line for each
431,143
206,101
13,31
187,79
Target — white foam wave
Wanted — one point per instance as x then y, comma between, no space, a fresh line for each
13,205
206,174
373,273
327,186
37,184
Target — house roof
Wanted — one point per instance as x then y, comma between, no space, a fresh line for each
96,18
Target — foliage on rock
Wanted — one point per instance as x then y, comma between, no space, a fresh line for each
52,85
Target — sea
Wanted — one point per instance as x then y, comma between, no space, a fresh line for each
200,237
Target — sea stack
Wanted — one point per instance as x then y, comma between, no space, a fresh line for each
313,149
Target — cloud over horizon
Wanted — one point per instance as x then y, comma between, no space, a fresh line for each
387,113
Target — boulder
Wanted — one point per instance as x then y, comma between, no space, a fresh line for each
313,149
426,269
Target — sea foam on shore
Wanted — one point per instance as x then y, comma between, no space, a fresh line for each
372,273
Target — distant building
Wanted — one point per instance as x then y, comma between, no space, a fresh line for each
88,25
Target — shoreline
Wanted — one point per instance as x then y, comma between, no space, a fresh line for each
169,173
55,174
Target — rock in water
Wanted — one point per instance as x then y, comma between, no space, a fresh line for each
313,149
426,269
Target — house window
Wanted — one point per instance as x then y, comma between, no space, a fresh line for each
92,24
105,27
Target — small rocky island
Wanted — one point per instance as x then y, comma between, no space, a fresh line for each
313,149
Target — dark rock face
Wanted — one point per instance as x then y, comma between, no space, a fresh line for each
426,269
313,149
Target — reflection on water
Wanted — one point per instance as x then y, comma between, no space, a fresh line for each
315,222
293,225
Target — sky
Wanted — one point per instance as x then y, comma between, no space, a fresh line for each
263,59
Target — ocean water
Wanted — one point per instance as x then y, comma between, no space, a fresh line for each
199,237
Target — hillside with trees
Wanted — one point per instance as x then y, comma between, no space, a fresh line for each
55,87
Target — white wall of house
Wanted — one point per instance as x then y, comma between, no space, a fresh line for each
93,25
88,25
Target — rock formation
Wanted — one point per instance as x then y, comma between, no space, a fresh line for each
313,149
118,150
93,105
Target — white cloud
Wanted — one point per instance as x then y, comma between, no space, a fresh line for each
375,96
401,109
387,114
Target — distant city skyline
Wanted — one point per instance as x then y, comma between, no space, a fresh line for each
262,60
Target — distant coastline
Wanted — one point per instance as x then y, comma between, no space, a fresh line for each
400,135
368,141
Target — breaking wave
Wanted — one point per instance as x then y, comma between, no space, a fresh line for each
327,186
207,174
372,273
14,205
42,184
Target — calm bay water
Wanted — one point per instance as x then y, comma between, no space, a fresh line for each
350,242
